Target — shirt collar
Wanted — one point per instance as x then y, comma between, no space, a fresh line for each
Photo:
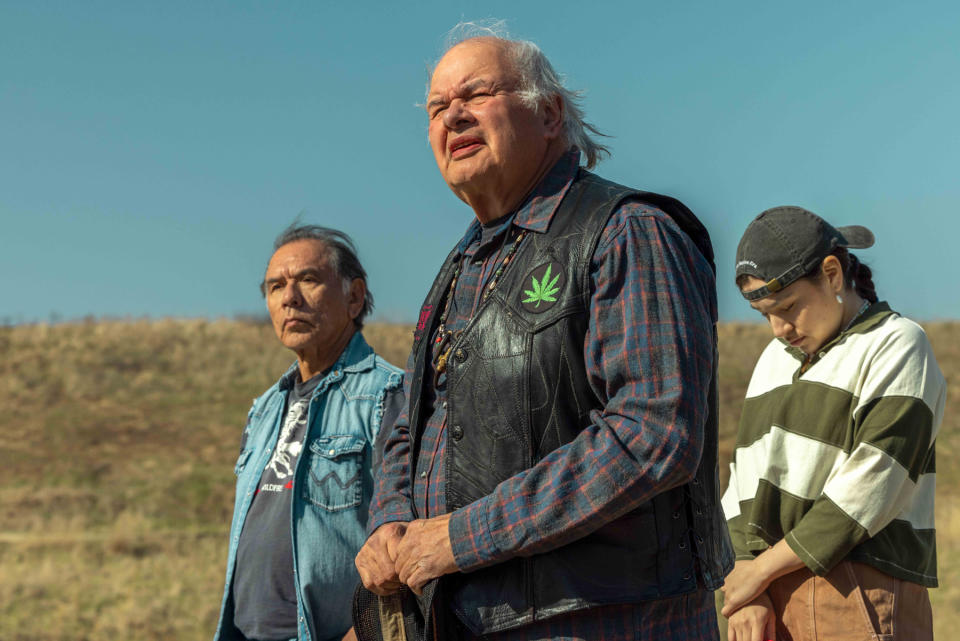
537,211
357,356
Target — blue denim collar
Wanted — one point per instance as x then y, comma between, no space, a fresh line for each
357,356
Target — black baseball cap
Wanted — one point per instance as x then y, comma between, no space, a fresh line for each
786,243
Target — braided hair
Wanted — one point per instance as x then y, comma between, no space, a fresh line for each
856,274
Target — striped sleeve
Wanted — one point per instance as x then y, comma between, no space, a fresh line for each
744,477
736,521
888,474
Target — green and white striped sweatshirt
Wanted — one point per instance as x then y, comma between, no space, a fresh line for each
840,459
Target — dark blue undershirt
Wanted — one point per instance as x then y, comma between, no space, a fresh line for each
264,594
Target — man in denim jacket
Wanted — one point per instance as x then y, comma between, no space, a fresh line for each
304,473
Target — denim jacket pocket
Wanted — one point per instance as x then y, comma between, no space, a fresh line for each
335,474
242,461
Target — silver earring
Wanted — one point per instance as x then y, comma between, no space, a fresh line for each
839,300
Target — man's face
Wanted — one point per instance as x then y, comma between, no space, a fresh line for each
482,135
309,309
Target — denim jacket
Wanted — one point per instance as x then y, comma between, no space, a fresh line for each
332,486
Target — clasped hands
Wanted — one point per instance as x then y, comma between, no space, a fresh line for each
747,607
410,554
746,604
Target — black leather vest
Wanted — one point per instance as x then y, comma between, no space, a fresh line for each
517,389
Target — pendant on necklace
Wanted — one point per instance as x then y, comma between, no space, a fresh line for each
442,362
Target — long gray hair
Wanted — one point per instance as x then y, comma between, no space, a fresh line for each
538,83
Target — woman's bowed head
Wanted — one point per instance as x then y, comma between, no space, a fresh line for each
794,268
832,478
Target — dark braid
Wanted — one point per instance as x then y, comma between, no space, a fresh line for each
857,273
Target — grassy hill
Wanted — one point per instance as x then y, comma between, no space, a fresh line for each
117,445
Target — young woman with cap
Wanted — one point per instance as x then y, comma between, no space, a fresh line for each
830,502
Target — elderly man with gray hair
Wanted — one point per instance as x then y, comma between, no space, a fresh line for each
553,474
304,476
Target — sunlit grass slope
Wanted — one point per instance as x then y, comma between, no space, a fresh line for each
117,444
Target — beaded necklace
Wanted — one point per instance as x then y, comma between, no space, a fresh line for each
443,342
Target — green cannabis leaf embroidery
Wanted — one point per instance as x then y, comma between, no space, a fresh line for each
543,290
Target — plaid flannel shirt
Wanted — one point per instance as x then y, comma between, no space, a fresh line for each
649,348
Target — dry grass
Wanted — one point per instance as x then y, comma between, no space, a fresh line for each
117,443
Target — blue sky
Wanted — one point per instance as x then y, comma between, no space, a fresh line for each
151,151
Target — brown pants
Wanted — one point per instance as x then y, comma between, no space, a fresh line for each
853,602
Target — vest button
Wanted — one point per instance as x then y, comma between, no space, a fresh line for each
456,432
461,355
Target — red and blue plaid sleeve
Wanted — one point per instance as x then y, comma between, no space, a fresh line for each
649,349
391,496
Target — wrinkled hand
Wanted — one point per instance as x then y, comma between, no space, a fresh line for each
753,622
350,635
743,585
425,552
376,560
